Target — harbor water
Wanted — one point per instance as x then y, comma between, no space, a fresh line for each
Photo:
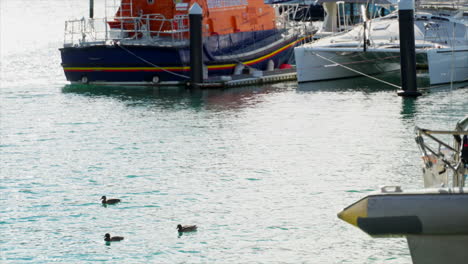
263,170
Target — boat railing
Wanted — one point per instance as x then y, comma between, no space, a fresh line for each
148,29
285,19
445,164
442,4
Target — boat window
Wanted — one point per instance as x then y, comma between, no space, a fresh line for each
440,18
390,17
381,27
150,2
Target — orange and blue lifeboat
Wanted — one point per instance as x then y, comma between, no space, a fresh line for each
146,41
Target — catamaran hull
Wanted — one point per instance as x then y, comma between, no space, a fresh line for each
147,65
446,65
331,64
319,64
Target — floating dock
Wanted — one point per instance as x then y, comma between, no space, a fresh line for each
255,78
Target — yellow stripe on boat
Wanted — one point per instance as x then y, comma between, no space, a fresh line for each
184,68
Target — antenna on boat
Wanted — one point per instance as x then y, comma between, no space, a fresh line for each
91,8
407,49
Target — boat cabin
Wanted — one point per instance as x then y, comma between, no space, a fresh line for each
165,17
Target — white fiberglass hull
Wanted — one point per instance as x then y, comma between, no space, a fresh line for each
447,65
319,64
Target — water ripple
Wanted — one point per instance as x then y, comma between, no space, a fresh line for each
261,170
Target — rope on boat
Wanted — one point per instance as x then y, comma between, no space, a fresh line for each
356,61
358,72
152,64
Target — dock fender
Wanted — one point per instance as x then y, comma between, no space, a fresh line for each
239,69
205,72
390,225
270,65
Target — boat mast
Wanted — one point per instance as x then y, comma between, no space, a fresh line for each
364,34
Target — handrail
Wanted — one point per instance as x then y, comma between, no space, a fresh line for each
450,156
147,28
444,132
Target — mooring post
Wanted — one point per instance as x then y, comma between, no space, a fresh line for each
196,45
91,8
407,49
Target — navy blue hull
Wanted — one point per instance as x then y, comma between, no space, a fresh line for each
141,64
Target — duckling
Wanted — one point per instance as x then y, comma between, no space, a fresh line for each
186,228
108,238
110,201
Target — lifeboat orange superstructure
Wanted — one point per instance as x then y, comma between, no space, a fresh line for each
220,17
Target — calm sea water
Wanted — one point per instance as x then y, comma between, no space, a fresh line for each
262,171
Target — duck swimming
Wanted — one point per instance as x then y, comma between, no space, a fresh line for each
108,238
186,228
110,201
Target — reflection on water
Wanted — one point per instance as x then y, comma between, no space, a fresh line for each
273,164
124,92
408,108
168,97
263,170
363,83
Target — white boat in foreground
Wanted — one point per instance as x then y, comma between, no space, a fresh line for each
441,41
434,219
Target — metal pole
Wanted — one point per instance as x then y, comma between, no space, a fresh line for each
196,45
364,33
407,49
364,37
91,8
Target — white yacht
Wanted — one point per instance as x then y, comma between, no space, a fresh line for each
372,47
433,219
